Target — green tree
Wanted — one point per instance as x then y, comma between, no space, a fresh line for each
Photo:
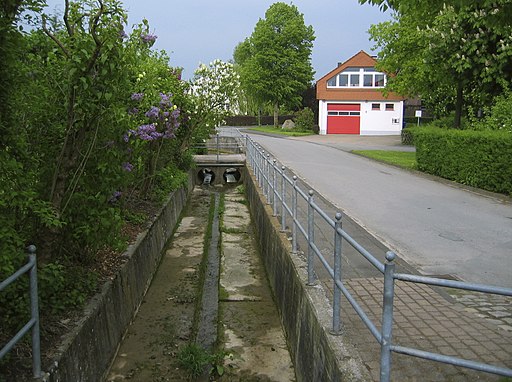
275,61
215,90
450,53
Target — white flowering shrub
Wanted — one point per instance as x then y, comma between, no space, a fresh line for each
214,90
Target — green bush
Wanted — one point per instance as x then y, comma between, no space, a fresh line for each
305,119
475,158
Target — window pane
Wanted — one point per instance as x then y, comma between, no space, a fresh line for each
368,79
355,113
390,106
332,113
379,80
332,82
375,106
352,69
369,69
354,80
343,78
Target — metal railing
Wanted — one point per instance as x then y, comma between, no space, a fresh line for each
283,194
33,323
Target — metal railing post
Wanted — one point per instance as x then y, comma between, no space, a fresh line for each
387,318
294,215
274,188
311,239
262,168
336,315
267,185
34,310
218,148
283,200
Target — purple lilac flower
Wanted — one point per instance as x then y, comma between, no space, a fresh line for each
148,38
122,34
153,113
126,137
137,96
115,197
148,132
127,166
165,100
133,111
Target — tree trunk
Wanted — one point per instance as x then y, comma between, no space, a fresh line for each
458,105
276,114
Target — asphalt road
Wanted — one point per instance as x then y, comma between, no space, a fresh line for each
438,227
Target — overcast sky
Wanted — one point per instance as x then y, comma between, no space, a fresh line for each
199,31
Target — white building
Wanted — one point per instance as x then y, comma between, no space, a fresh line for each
351,100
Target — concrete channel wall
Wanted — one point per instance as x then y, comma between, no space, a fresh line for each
306,313
86,353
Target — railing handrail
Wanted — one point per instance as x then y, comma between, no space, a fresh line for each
33,323
259,161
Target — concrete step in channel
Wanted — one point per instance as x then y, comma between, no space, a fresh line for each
249,344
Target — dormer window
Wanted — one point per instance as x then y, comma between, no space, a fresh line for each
358,78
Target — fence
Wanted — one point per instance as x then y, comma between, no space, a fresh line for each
283,194
33,323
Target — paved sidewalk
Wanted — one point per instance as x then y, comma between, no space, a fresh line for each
425,320
472,326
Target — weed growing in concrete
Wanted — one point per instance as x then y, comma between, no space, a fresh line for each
196,360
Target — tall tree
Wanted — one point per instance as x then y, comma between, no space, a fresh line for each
455,53
275,61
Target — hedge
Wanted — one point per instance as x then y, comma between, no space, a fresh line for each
480,159
250,120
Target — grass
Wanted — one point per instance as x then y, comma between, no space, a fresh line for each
397,158
279,131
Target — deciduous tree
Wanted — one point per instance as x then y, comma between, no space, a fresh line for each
453,54
275,61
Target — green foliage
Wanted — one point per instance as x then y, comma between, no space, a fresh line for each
68,173
305,119
454,54
498,116
475,158
215,89
275,61
60,289
168,179
402,159
196,361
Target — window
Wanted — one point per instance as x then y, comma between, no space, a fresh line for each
354,80
343,79
379,80
368,80
375,106
358,77
390,107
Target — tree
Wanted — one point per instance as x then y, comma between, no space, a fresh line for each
215,90
275,61
450,53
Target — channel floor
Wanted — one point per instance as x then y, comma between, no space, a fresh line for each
251,342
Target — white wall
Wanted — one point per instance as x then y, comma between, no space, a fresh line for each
381,122
373,122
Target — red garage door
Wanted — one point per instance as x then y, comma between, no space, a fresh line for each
343,118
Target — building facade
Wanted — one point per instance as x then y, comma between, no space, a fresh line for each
351,101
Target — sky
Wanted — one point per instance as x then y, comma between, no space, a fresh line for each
199,31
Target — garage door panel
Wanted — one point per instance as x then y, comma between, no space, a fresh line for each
343,118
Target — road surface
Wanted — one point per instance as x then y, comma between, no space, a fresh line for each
437,226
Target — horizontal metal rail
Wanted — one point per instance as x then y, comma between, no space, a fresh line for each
33,323
264,169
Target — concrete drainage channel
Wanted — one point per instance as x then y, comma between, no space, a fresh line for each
232,331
